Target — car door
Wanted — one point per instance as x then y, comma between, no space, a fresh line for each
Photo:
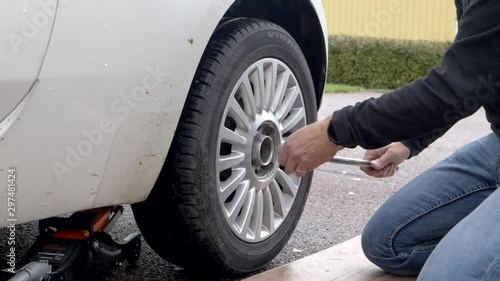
25,27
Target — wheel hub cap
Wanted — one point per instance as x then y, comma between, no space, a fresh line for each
264,108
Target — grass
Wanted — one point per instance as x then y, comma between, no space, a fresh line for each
342,88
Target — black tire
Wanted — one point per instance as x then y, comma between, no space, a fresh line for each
182,219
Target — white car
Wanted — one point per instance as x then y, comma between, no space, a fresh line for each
176,107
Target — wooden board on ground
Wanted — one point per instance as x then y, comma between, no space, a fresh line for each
343,262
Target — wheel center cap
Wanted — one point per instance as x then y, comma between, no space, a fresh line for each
262,150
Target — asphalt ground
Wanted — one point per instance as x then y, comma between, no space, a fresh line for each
341,201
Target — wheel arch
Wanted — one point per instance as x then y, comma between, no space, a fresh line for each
301,20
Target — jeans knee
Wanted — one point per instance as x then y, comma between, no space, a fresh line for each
377,245
374,244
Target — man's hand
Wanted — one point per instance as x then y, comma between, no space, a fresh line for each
385,160
308,148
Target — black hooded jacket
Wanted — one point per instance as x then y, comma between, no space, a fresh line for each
419,113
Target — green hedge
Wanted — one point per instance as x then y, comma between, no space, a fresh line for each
381,63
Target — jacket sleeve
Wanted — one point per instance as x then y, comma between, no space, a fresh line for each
417,145
440,99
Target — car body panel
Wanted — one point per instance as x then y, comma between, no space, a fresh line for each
94,84
97,127
25,26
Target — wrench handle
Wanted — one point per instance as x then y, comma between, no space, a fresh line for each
350,161
340,160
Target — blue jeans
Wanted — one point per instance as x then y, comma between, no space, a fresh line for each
445,224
